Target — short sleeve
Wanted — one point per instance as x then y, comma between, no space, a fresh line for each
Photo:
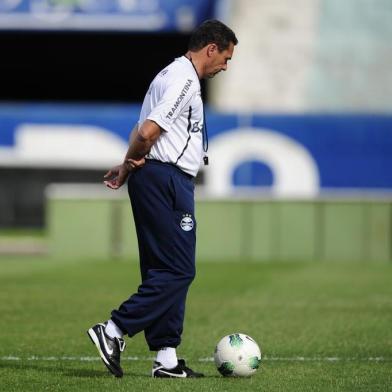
173,101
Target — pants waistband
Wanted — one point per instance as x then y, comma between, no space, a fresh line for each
156,161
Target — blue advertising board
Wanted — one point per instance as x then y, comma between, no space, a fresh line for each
292,155
123,15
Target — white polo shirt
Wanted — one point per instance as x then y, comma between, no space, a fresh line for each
174,102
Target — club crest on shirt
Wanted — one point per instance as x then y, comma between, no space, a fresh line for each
196,127
186,222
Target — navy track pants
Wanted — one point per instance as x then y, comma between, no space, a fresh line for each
162,198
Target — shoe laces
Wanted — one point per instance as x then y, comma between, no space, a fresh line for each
121,344
183,366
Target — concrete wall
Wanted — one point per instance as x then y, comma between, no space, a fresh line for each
322,230
307,56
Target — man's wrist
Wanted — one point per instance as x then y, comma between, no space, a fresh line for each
127,165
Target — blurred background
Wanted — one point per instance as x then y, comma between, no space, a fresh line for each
300,126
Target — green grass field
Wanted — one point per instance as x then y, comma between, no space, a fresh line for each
321,326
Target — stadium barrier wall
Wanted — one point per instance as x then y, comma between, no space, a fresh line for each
291,156
231,230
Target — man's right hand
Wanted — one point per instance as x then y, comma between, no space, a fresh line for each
116,176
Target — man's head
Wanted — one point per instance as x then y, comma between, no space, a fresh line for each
213,42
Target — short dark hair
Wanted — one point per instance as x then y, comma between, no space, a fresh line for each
212,32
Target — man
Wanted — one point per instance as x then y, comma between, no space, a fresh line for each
164,155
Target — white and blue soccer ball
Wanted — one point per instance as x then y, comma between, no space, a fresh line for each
237,355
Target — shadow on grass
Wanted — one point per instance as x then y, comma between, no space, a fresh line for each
63,370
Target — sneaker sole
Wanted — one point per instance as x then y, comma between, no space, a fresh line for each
94,339
166,373
172,375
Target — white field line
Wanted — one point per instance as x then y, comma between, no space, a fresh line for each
315,359
207,359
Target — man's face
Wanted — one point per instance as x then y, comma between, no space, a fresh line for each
218,60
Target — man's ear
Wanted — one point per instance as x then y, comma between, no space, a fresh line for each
211,49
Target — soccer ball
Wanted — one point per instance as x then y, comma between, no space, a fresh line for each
237,355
